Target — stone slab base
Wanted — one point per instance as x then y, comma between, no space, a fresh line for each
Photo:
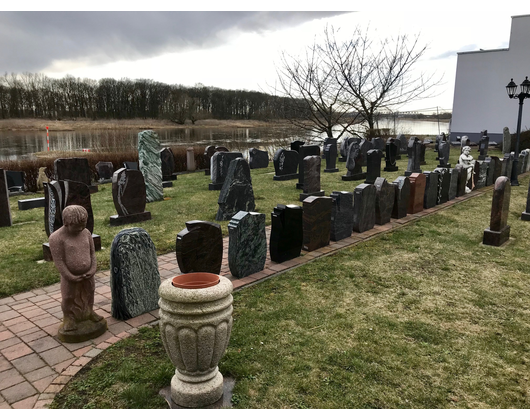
118,220
215,187
391,169
524,216
224,402
331,170
93,189
47,254
409,173
31,203
284,177
167,184
86,330
355,177
494,238
320,193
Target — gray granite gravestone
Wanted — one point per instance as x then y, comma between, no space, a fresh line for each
373,166
422,149
444,183
431,189
365,146
237,193
208,153
499,230
403,144
354,164
316,222
497,168
414,151
5,210
483,145
384,201
480,173
341,215
506,141
464,141
344,147
444,150
219,164
397,142
378,143
285,165
525,215
330,153
199,247
311,166
490,171
453,183
134,279
286,233
364,207
150,165
105,171
390,156
522,161
303,152
16,181
258,158
247,247
401,197
167,162
507,162
129,196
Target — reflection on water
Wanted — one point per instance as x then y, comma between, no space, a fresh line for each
21,145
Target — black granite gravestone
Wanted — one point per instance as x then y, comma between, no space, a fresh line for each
373,166
219,164
258,158
5,210
414,152
461,173
74,169
401,197
364,207
444,183
311,165
378,143
128,194
208,153
303,152
483,145
134,279
480,174
286,233
490,171
403,144
167,159
330,153
237,193
431,189
344,147
285,165
341,215
423,148
199,247
384,201
131,165
105,171
354,164
16,181
316,222
295,145
499,230
444,150
365,146
397,142
390,156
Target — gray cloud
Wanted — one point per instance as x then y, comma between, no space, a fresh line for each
450,53
30,41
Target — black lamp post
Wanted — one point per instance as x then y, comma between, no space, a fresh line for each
511,88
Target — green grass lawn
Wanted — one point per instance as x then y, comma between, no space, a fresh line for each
422,317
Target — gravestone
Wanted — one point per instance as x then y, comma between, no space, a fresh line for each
378,143
398,143
437,142
150,165
499,230
462,180
483,145
330,153
341,215
237,193
190,160
72,169
219,164
167,161
506,140
128,194
258,158
403,144
134,279
480,174
491,170
295,145
285,165
417,193
105,171
131,165
522,161
208,153
31,203
311,166
423,148
390,156
303,152
525,215
364,207
286,233
431,189
316,222
53,197
401,197
384,201
365,146
199,247
354,164
464,141
444,183
444,150
16,181
453,183
247,247
344,147
414,152
497,169
373,166
5,210
507,162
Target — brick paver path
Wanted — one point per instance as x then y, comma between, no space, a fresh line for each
35,365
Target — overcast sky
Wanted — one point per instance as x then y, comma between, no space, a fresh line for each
234,49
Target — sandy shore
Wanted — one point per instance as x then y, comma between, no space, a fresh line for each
81,124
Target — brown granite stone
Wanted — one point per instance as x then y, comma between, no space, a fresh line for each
417,192
316,222
499,231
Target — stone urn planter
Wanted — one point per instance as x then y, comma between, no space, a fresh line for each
195,325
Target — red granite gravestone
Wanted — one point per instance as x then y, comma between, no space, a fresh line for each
316,222
417,192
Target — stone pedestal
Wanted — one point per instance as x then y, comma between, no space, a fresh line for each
86,330
31,203
118,220
495,238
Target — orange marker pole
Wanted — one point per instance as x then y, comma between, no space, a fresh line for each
48,138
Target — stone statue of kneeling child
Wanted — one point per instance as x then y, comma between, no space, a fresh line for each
74,256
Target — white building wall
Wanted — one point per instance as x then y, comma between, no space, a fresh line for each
480,100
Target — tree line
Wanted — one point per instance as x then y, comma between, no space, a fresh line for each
35,95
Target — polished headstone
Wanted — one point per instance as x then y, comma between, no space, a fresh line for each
150,165
104,170
285,164
199,247
444,150
390,155
247,247
134,276
401,197
483,145
316,222
5,210
237,193
431,189
491,171
53,198
384,201
462,180
303,152
330,153
16,181
453,183
258,158
506,140
378,143
444,184
219,164
364,207
413,152
128,194
167,160
354,164
208,153
311,166
131,165
437,142
403,142
397,142
295,145
341,215
365,146
286,233
480,174
73,169
499,230
344,147
417,193
422,149
498,167
373,166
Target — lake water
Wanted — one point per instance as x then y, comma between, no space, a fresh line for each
22,144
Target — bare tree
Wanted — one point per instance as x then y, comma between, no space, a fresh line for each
316,99
377,75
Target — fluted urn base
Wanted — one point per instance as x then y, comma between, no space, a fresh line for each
196,394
